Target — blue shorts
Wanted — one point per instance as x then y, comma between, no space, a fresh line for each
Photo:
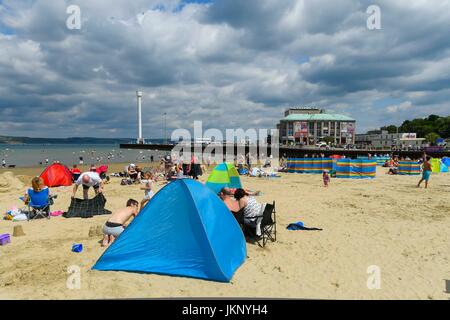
426,175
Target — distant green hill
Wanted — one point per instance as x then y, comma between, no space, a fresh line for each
86,140
424,126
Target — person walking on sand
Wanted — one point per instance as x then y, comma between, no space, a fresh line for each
115,224
3,163
426,173
326,178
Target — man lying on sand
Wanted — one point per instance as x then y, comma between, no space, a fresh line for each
115,225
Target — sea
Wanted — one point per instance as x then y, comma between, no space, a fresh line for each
31,155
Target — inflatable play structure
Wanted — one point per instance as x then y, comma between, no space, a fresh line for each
309,165
409,168
223,175
356,168
57,175
185,230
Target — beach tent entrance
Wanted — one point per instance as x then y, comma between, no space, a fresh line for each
186,230
223,175
57,175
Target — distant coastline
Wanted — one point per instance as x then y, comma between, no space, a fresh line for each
75,140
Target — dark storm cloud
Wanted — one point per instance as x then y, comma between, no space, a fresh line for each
229,63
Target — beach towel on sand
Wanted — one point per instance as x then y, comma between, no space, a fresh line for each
87,208
300,226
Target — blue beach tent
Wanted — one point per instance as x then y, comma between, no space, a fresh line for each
185,230
446,161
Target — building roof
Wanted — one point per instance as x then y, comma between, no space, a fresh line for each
317,117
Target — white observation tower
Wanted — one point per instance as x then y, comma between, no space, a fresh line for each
140,139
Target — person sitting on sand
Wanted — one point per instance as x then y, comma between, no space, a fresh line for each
392,171
115,224
88,179
133,173
231,203
252,208
395,162
139,171
426,173
148,188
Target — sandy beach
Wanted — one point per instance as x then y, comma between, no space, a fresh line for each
386,222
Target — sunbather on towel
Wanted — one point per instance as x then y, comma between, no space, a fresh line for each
115,225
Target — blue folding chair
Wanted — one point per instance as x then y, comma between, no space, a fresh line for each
39,204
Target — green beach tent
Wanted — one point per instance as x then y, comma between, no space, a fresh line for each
223,175
435,165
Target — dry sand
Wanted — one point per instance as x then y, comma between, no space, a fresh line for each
386,222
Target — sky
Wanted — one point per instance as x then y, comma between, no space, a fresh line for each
228,63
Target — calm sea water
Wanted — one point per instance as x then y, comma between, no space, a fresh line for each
35,155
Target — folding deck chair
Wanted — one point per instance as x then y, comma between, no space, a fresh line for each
268,226
39,204
239,216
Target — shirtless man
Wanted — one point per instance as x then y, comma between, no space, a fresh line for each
426,173
115,225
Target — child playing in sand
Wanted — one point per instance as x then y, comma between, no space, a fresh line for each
426,172
148,188
115,225
326,178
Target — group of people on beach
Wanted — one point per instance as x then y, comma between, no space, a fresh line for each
242,203
426,167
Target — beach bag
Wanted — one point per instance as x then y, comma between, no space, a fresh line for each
20,217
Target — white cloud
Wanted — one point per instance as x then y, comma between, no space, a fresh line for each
231,63
404,106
